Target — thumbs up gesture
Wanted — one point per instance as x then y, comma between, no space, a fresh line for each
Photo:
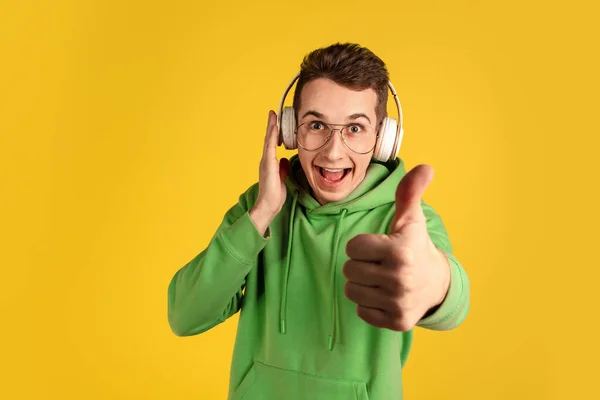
395,279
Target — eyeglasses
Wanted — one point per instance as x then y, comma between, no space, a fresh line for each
314,135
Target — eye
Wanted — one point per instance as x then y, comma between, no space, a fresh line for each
355,128
316,126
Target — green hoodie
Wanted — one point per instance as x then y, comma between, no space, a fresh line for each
298,336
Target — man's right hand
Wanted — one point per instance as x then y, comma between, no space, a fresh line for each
271,181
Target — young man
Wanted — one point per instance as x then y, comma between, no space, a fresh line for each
332,257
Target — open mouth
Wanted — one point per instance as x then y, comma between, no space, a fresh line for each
332,176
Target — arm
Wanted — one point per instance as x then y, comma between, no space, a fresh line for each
208,290
453,310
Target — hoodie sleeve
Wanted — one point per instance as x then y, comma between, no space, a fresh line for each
208,289
455,307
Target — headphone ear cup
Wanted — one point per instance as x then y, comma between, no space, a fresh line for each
397,149
384,149
287,136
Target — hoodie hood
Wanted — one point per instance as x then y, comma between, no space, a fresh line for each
377,188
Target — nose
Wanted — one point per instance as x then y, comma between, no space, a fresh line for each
334,149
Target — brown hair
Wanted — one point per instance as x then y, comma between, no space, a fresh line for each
349,65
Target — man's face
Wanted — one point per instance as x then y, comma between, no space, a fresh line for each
325,101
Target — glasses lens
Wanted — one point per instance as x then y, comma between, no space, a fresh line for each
359,138
313,135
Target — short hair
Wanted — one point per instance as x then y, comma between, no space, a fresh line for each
349,65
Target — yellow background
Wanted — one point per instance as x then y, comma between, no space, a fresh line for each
127,129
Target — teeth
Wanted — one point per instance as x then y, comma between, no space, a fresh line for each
333,170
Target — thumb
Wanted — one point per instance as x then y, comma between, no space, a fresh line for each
409,192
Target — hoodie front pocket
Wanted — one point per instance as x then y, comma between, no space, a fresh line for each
271,383
246,384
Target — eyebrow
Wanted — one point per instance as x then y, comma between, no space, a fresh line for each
350,117
359,115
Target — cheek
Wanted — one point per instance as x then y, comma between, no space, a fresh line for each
360,165
306,160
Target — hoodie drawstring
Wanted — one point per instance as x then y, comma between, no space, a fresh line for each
283,309
335,314
332,337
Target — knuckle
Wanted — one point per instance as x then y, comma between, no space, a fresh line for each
407,304
395,283
408,280
397,306
401,254
401,324
401,304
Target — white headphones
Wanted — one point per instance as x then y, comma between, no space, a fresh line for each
389,136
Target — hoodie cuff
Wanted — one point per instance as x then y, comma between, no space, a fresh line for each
455,306
243,241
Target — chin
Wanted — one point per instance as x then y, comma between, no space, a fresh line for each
324,198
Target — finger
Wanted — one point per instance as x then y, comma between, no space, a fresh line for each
366,273
373,316
409,193
271,120
367,296
268,130
271,138
368,247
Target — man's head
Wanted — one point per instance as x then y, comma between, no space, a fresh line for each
343,85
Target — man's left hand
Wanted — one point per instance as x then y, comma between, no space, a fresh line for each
396,279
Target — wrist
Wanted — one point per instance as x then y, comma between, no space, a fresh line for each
261,218
444,268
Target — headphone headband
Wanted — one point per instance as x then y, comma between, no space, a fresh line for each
280,111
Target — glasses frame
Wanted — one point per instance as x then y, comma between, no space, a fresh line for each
330,135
